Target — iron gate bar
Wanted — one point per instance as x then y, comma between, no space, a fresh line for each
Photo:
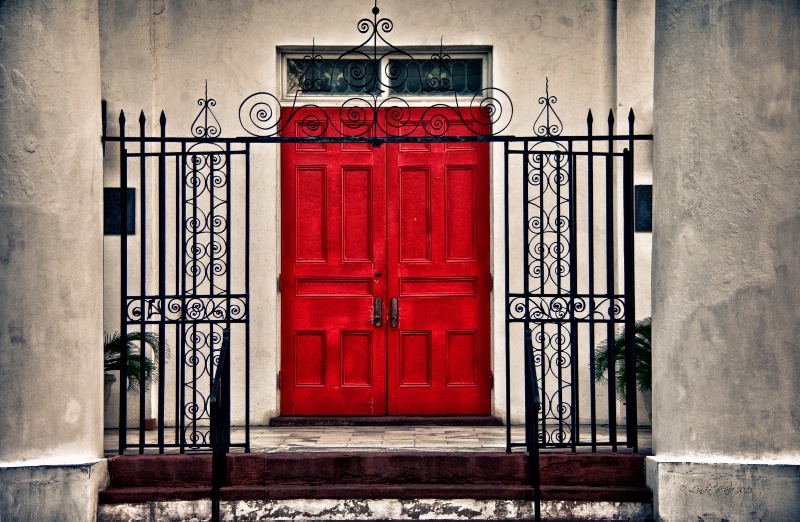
573,285
180,173
506,276
244,140
631,413
247,296
631,416
609,178
590,206
123,369
142,283
162,276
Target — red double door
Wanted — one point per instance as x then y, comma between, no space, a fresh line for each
385,278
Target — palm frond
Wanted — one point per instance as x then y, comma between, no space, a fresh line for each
114,345
642,342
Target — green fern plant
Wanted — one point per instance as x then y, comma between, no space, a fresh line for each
642,342
113,346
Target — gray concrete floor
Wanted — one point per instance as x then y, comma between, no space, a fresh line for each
377,438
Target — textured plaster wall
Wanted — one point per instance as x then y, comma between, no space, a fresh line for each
726,278
50,261
178,45
50,235
726,275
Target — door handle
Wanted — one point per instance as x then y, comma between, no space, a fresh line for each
377,312
393,315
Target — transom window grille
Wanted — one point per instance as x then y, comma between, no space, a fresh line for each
436,74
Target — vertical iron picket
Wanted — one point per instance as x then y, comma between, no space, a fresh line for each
123,295
630,305
590,254
507,302
162,277
142,280
612,397
573,295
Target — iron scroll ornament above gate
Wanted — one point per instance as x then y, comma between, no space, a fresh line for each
374,68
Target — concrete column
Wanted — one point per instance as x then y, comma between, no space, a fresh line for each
726,275
51,373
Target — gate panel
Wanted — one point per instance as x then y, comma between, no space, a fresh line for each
185,277
570,279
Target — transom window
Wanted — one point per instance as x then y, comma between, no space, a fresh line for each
421,74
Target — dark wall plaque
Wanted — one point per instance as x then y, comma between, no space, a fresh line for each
112,213
644,208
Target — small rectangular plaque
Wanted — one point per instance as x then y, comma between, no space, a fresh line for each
112,213
644,208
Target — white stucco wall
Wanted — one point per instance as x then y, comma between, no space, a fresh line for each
725,278
51,439
159,56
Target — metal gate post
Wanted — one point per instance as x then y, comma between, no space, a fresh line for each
631,422
532,405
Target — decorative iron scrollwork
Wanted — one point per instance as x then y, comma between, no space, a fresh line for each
373,70
206,125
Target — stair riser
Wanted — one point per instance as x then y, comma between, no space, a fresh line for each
596,470
378,509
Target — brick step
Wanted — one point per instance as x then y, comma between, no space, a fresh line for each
369,468
405,491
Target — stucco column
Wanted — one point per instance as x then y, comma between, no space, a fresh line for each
726,264
51,373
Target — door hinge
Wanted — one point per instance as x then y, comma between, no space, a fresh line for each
491,282
279,380
279,283
491,378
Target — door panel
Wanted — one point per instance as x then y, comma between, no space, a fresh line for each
418,214
333,360
438,258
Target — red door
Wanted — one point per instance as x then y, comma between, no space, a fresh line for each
406,224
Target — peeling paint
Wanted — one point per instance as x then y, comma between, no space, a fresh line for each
382,509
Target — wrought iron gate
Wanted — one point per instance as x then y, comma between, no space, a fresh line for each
569,274
188,283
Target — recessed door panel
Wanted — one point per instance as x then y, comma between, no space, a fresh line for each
311,211
357,230
415,214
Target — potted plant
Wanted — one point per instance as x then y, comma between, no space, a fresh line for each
131,343
642,342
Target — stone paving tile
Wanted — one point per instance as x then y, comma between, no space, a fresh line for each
372,438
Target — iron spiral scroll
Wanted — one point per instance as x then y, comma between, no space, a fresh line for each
373,69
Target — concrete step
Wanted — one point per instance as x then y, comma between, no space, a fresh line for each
370,475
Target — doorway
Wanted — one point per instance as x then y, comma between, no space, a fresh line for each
385,276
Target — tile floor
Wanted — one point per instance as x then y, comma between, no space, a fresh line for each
374,438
